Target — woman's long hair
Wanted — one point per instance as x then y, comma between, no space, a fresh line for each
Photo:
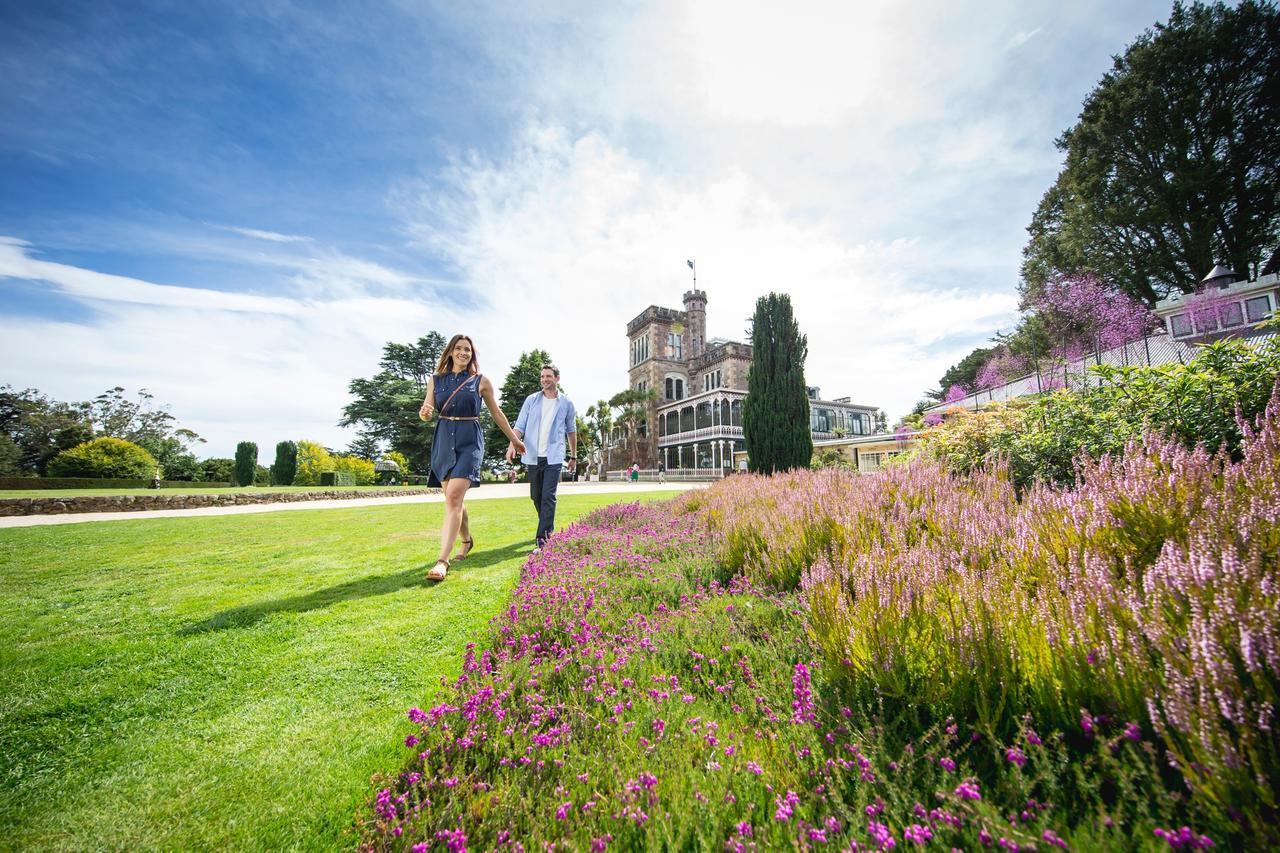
446,358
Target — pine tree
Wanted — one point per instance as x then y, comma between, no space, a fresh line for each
775,414
246,463
286,464
522,380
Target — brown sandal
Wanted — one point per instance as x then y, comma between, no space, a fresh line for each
471,546
438,571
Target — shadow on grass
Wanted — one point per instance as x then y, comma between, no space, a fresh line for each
251,614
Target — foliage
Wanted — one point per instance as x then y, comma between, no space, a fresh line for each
245,470
775,413
824,658
830,458
10,457
150,426
594,432
313,460
1042,439
1070,610
105,457
965,371
386,405
366,447
400,459
41,428
629,415
285,468
217,469
1174,163
359,470
522,380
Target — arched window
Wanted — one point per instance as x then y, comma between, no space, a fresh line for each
736,410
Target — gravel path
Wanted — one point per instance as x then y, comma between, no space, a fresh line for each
487,492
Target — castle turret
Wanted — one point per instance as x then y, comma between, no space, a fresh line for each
695,306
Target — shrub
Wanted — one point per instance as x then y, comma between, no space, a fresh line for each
1043,439
313,460
286,464
104,457
360,471
261,475
217,469
246,463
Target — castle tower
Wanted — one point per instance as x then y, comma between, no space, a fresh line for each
695,306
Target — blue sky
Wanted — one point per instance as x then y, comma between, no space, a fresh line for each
236,204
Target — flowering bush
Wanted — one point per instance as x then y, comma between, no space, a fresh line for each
908,658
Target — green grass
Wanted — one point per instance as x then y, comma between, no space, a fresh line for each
230,682
179,490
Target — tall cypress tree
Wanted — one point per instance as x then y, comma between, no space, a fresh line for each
246,463
775,415
286,464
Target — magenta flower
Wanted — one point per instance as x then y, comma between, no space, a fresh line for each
968,790
1015,756
917,834
947,764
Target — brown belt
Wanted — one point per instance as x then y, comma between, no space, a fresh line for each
448,418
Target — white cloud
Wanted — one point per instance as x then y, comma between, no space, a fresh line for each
269,236
570,237
232,367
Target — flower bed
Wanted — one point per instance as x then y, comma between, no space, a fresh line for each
911,658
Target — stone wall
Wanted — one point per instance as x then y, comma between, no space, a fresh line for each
139,503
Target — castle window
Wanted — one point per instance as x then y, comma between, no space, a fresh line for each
675,387
712,380
639,350
1258,308
675,347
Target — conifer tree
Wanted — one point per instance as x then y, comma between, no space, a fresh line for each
246,463
775,414
286,464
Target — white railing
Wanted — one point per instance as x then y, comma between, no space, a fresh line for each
721,431
679,475
1146,352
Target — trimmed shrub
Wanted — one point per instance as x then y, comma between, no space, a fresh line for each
359,470
246,463
104,457
335,478
286,464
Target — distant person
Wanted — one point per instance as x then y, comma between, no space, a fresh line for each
662,471
635,472
548,421
454,392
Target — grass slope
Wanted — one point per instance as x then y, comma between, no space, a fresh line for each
229,681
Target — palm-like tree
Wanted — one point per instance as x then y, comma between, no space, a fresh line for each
632,408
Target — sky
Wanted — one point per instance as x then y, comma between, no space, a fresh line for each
235,205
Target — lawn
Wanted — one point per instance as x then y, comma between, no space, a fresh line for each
180,490
229,682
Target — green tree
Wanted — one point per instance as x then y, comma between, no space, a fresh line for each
386,405
246,463
285,467
41,428
148,425
964,372
313,460
631,413
775,413
598,424
522,380
365,446
109,458
217,469
1174,163
10,457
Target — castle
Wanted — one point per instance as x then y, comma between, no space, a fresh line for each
695,422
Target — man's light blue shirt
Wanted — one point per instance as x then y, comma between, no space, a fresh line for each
563,421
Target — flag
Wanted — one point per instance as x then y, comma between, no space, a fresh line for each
690,263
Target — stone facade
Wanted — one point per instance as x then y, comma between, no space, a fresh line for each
671,355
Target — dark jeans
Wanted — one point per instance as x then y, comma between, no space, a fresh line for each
544,479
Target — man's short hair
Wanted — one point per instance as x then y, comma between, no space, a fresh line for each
552,368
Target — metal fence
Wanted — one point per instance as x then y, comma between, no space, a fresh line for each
1147,352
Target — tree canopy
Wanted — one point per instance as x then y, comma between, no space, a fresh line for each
386,404
1174,164
522,380
775,414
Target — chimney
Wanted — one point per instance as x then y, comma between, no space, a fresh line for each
695,306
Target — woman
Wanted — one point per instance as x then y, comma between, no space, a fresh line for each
454,392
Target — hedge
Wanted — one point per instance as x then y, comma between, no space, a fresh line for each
99,483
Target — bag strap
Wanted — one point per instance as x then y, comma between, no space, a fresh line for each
456,390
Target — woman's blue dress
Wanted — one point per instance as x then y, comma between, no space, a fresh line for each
458,447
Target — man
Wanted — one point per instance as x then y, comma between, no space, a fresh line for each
547,420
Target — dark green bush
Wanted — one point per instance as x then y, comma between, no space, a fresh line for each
286,464
105,457
217,469
246,463
337,478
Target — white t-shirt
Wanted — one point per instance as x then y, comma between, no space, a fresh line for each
544,424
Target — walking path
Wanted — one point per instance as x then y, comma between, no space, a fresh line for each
489,491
